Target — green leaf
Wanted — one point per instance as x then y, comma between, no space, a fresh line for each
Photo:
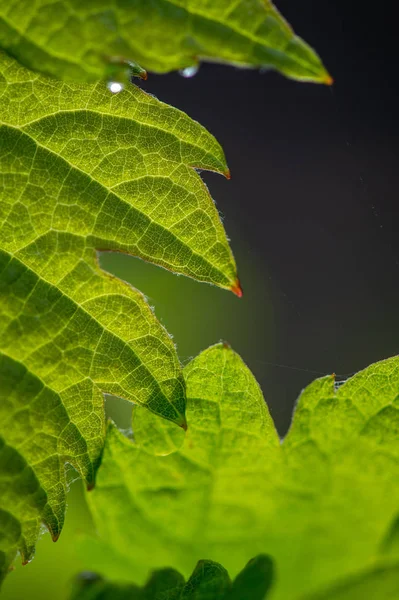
379,583
85,40
149,494
321,503
165,584
209,581
81,170
257,578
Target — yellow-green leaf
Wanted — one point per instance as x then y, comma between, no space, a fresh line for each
379,583
82,170
86,40
323,504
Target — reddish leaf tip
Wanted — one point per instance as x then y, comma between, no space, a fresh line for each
328,80
237,289
227,174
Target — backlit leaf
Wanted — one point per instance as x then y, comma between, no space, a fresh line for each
322,503
82,170
88,40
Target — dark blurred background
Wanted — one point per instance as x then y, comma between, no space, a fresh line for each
312,213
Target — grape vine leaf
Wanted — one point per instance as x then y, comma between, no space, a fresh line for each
320,503
82,40
209,581
81,170
379,583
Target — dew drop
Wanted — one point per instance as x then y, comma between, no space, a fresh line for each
115,87
189,71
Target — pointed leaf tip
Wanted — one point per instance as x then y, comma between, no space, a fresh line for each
227,174
237,289
138,71
328,80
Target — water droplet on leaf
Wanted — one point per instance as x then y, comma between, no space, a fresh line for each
115,87
189,71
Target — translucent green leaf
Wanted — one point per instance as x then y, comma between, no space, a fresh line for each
379,583
322,503
85,40
82,169
209,581
199,498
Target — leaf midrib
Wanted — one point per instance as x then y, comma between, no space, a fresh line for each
118,118
24,35
249,36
